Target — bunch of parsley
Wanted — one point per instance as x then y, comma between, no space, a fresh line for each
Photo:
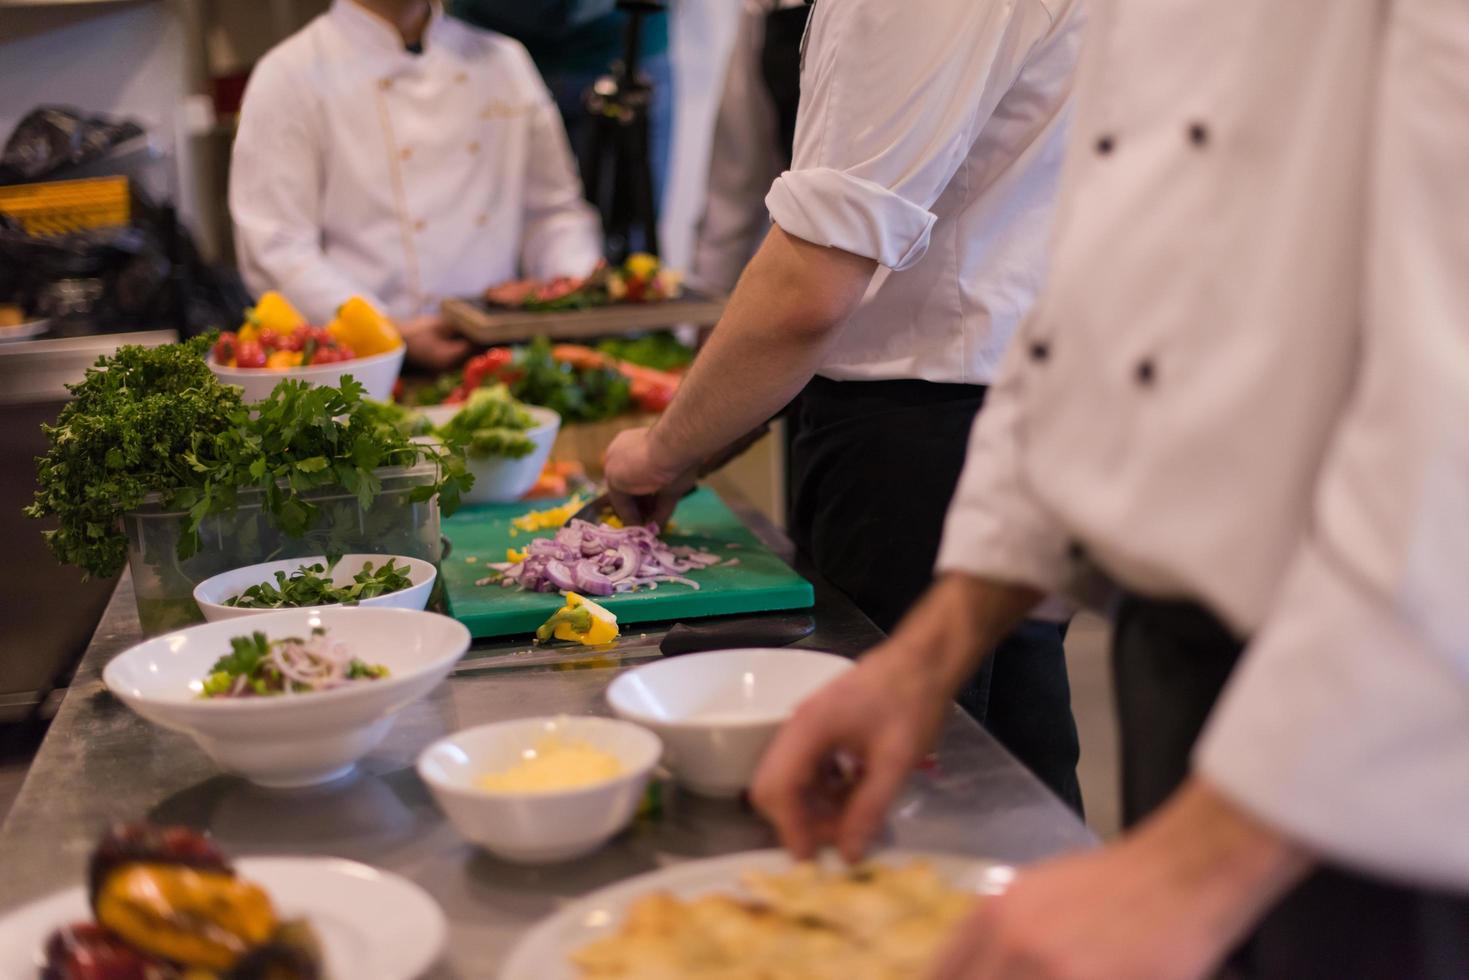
152,420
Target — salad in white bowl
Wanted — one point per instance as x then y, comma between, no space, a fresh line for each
296,698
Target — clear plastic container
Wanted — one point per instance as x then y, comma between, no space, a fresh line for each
393,524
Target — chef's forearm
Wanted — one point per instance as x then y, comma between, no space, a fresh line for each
1228,864
786,310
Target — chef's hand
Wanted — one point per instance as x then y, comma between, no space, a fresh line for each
433,343
644,482
1167,903
834,768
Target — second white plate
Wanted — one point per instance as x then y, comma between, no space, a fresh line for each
544,953
371,923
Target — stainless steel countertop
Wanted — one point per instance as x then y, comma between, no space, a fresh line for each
101,763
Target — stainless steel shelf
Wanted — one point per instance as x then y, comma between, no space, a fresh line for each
40,370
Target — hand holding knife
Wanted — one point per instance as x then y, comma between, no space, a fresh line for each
658,507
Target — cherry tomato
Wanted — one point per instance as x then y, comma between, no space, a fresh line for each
224,348
326,354
651,396
487,366
297,340
250,355
272,340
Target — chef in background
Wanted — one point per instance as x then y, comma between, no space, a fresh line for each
391,152
1242,399
908,241
754,138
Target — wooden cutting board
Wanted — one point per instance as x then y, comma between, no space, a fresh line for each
490,325
756,581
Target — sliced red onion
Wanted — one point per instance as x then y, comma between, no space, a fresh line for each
561,576
602,560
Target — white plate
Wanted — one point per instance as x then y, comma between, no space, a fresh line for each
24,331
371,923
544,953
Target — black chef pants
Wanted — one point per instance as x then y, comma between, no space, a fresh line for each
873,465
1170,661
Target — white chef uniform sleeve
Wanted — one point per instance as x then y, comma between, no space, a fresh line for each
562,234
891,102
275,194
744,159
996,528
1347,723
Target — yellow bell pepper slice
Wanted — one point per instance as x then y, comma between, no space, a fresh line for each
579,621
641,265
273,312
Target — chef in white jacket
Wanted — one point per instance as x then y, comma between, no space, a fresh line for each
388,151
908,242
1243,398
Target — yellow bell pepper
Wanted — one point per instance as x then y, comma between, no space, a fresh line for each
203,919
641,265
280,360
272,312
579,621
362,328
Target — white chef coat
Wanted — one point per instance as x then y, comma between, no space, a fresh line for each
934,136
745,159
1247,384
361,168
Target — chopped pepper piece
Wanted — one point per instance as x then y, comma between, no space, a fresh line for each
579,621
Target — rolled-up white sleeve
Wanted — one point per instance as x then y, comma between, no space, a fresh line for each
1347,723
891,101
275,194
996,528
563,235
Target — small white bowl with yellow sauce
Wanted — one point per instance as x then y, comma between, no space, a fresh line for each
538,790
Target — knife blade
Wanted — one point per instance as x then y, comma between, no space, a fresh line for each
592,510
762,631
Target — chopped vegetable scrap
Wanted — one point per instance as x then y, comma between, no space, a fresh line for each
260,667
603,560
579,621
544,520
312,585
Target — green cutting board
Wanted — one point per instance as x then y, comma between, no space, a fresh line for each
759,582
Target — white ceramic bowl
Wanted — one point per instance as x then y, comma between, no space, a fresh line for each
211,593
376,373
295,740
498,479
531,828
717,712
